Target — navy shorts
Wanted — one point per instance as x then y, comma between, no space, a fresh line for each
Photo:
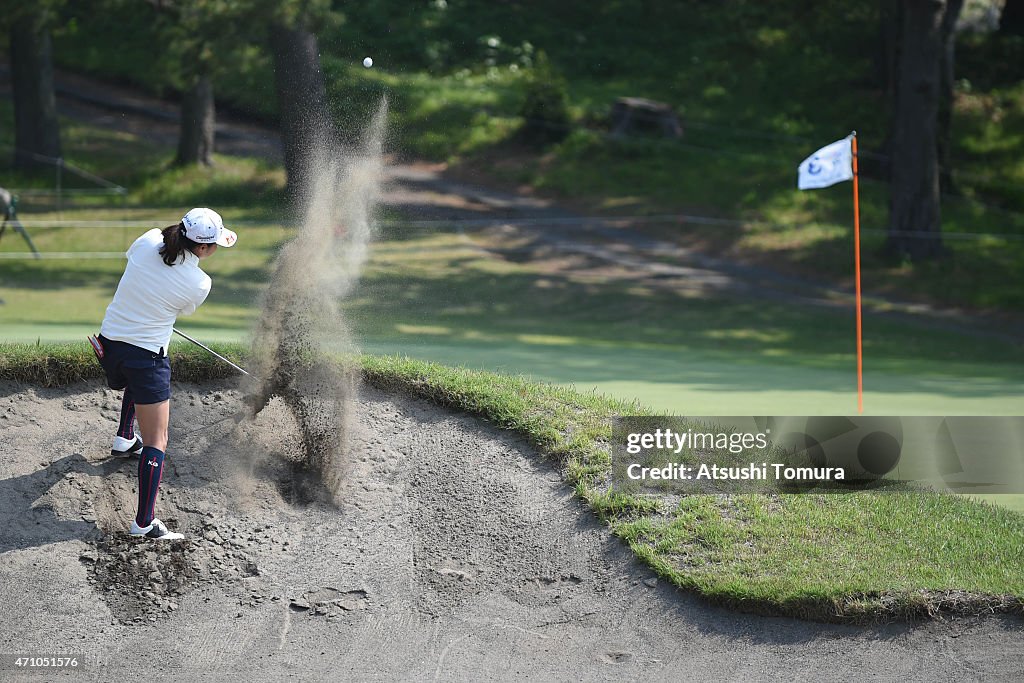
147,374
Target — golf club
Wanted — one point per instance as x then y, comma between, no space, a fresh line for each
207,348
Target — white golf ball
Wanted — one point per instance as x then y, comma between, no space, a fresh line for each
367,62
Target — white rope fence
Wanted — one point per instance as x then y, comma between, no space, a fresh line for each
568,221
458,225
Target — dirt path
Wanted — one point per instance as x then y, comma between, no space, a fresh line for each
456,554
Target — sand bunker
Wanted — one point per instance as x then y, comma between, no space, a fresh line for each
454,553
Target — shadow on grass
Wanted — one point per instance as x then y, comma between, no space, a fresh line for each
229,182
470,297
52,275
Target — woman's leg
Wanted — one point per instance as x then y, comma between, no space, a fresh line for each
126,427
126,442
153,420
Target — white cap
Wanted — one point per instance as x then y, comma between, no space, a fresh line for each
205,226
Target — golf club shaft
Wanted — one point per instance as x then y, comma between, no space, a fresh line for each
207,348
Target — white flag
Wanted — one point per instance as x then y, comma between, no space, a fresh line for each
829,165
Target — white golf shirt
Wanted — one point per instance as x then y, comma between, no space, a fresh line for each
152,294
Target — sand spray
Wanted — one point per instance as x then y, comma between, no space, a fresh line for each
303,349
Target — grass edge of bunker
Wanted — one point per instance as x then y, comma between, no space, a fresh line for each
863,558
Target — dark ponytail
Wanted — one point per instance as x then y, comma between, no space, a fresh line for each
175,244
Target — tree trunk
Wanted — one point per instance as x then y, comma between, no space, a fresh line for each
914,218
195,139
36,130
302,101
944,140
1011,21
891,28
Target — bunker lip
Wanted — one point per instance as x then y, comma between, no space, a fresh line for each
453,548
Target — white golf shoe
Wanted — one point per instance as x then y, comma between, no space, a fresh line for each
156,531
126,447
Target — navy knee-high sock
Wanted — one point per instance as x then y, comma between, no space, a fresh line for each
126,427
151,467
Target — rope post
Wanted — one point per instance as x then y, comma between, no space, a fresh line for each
60,196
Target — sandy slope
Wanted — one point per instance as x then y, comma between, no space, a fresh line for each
455,554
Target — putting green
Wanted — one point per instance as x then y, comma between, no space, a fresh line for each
684,382
694,383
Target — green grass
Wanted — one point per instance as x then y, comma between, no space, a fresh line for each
756,95
146,169
54,365
854,556
40,294
673,383
494,298
431,116
435,296
858,557
448,302
439,286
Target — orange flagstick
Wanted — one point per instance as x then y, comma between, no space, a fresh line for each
856,270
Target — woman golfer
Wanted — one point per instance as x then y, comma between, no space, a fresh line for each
161,281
